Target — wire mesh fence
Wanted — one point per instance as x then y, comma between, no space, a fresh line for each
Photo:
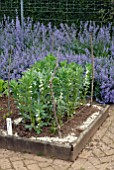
65,11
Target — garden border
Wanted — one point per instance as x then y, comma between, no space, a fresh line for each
60,151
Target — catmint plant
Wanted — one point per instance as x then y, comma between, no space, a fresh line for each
36,41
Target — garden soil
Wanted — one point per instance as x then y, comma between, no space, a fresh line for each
70,125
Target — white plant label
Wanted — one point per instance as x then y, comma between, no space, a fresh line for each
9,126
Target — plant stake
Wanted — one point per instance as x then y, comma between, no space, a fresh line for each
54,101
92,62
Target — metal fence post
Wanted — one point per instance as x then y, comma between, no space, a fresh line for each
22,23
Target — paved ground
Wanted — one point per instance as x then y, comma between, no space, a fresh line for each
98,154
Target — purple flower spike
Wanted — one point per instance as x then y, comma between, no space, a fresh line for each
91,29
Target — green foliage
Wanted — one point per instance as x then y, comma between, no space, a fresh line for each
107,14
71,78
3,87
8,114
32,92
99,48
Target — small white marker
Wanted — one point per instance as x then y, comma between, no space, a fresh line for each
9,126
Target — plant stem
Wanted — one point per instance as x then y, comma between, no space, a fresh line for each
92,62
9,109
52,46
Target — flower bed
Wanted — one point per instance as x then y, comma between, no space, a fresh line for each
76,132
47,91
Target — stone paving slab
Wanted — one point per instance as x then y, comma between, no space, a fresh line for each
97,155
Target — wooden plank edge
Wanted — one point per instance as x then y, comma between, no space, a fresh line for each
88,133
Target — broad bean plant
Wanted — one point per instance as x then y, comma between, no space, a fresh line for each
32,92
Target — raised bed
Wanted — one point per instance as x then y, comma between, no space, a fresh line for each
68,151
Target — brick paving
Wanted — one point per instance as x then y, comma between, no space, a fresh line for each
97,155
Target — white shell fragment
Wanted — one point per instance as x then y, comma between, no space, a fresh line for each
3,132
98,107
89,121
18,120
68,139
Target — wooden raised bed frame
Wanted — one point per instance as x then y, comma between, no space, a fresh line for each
60,151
